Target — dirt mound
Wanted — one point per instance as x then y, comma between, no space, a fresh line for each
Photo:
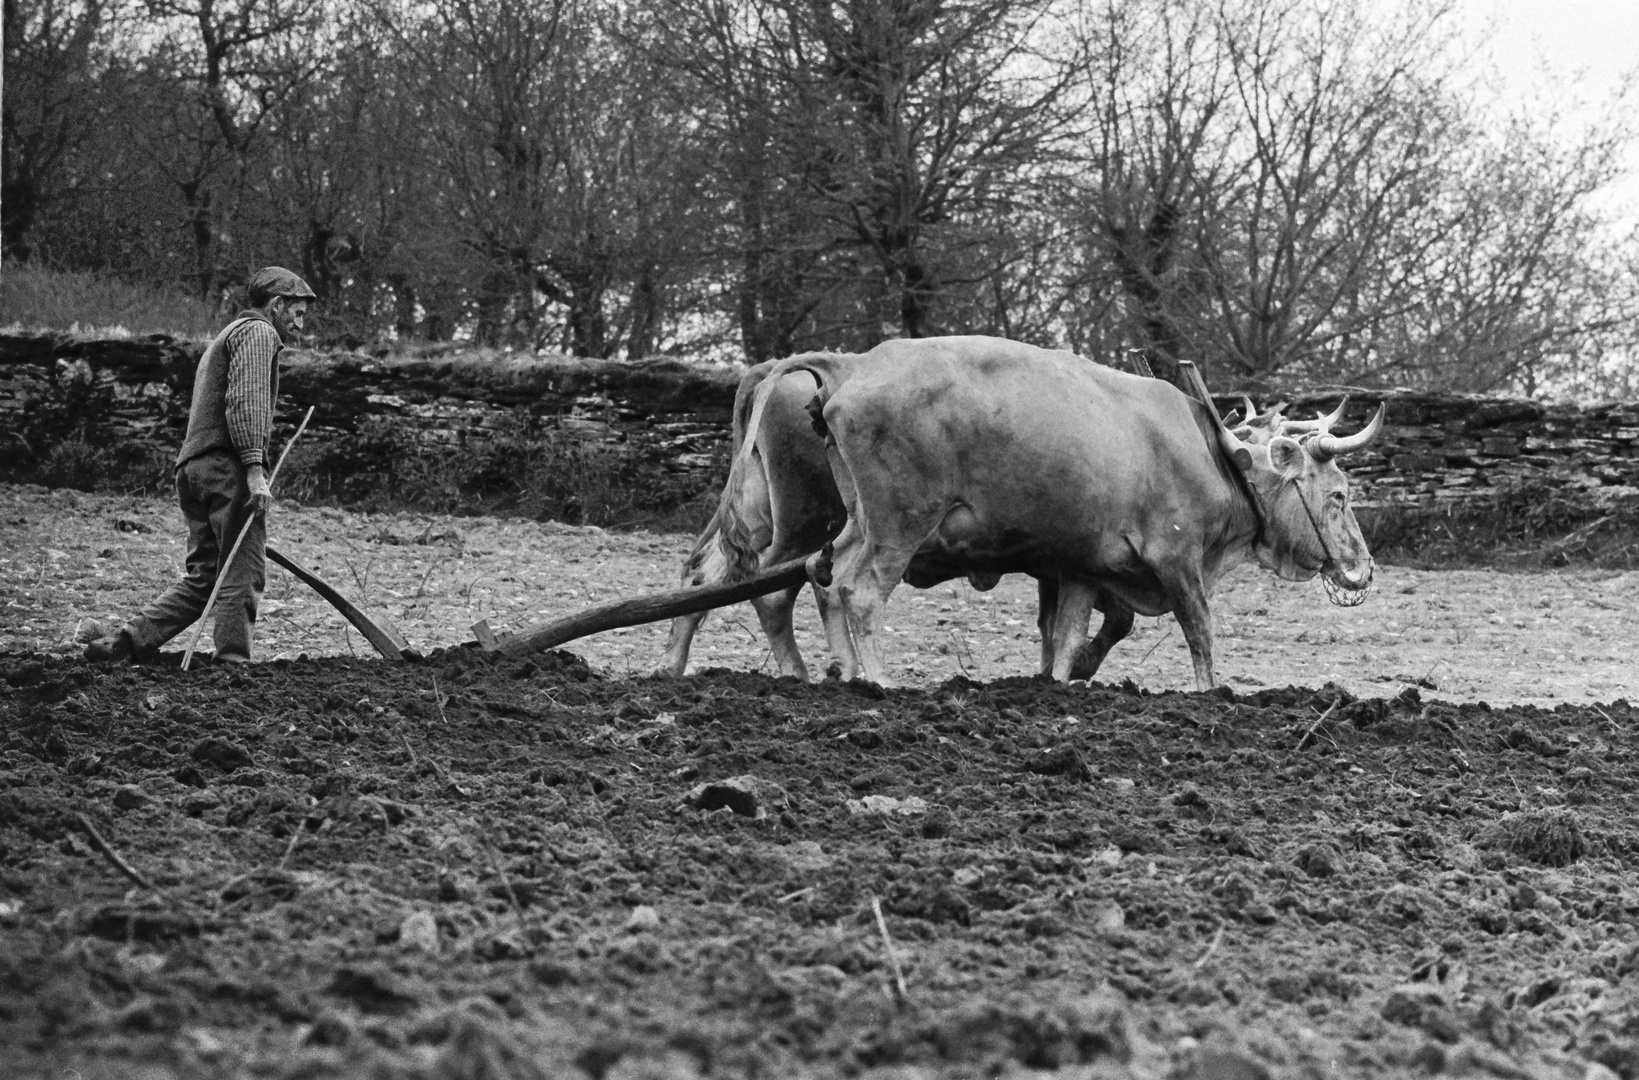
520,868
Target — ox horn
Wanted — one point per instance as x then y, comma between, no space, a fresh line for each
1329,446
1319,423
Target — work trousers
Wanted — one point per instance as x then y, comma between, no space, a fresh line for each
214,497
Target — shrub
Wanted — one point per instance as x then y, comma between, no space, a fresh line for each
1529,525
34,297
522,468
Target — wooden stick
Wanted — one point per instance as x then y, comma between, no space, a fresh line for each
1309,736
290,848
656,606
1217,939
893,957
222,570
112,856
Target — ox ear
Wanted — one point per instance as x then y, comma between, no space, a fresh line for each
1286,455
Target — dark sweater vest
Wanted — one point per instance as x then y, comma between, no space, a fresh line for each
208,414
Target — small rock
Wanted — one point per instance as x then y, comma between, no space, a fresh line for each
807,856
643,919
1319,860
1108,855
1107,917
1420,1005
887,804
747,795
90,630
130,796
1119,784
419,931
199,802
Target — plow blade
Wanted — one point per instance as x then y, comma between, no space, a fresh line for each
377,631
654,607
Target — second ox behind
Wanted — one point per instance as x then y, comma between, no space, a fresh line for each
982,455
785,505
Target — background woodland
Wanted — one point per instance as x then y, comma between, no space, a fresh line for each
1289,192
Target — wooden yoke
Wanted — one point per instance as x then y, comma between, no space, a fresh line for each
1235,451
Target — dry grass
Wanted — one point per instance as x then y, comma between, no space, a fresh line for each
34,298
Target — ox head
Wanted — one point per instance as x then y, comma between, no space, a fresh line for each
1311,527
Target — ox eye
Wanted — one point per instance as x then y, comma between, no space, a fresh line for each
1338,498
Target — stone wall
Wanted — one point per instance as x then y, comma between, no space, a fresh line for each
665,417
672,419
1445,449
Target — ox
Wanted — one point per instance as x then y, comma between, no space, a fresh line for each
785,501
787,506
979,454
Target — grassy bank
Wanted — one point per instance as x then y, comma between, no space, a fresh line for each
97,305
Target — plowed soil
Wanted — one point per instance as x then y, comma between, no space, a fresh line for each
471,867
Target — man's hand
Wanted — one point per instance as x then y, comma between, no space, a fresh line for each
261,496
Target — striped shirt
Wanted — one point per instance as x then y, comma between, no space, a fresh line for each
235,386
253,382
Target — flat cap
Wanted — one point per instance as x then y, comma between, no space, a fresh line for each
277,281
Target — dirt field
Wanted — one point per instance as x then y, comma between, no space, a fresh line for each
1464,635
561,868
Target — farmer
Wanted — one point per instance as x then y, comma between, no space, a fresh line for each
221,478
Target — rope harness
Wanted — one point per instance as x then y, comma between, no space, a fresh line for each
1337,594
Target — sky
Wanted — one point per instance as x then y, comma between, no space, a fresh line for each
1532,39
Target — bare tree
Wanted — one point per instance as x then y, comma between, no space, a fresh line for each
1157,154
56,61
218,73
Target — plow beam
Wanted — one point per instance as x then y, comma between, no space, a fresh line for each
656,606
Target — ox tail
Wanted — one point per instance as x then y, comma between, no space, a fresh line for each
743,398
736,531
712,535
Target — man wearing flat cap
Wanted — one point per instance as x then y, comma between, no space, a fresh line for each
221,478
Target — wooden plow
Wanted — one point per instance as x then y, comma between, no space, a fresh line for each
653,607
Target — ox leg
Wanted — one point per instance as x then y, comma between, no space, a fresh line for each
1118,623
834,600
1047,603
707,565
1074,608
1195,618
836,632
678,642
774,613
866,574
